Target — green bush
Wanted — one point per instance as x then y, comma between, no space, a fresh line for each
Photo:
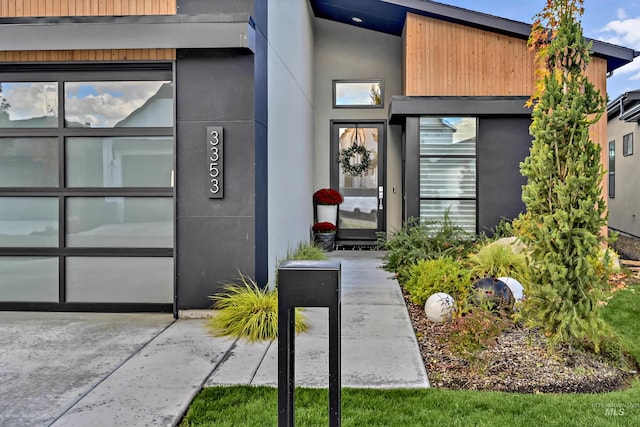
418,240
246,311
439,275
474,332
499,260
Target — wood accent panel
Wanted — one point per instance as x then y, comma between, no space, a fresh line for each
442,58
40,8
446,59
24,8
89,55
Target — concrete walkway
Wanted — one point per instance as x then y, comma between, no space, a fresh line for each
65,369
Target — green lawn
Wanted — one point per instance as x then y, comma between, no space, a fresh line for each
257,406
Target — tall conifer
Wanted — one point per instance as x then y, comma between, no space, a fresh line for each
565,209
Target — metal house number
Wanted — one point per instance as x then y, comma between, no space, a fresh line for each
215,162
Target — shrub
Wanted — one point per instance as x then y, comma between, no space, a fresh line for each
418,240
498,260
439,275
474,332
248,312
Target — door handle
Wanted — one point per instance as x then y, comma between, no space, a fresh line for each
380,197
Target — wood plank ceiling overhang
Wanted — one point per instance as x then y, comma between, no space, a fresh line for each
388,16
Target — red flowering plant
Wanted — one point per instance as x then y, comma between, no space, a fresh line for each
327,196
324,227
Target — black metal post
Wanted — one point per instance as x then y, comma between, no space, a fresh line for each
307,284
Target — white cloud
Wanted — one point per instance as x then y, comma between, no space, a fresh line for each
621,14
622,31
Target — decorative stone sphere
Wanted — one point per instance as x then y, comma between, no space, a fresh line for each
495,291
439,307
516,287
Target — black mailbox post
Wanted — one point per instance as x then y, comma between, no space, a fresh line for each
307,284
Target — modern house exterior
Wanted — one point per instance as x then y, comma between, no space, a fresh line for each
623,114
152,150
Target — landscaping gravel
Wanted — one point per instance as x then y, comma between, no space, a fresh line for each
518,361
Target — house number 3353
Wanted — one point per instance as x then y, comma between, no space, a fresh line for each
215,162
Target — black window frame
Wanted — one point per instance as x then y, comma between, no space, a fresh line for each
612,170
627,144
334,84
452,156
61,73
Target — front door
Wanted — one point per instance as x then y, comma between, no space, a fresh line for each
358,169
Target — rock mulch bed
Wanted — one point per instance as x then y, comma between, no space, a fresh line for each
517,362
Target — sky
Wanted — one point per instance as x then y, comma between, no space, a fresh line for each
612,21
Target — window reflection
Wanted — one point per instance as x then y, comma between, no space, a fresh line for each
28,162
131,222
118,104
28,105
448,169
33,279
363,93
28,221
119,162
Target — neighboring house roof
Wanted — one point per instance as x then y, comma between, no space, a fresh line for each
164,92
388,16
625,107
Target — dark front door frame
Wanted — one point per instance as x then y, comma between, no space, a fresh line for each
365,234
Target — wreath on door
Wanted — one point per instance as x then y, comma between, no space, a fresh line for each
346,156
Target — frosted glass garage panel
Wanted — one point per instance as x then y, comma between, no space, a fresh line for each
119,162
447,177
128,222
118,104
29,221
28,162
28,105
119,280
454,136
461,212
28,279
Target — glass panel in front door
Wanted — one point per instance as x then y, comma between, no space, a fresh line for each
360,190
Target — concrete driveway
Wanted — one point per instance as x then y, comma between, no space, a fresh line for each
49,361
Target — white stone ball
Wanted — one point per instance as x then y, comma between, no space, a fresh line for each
439,307
516,287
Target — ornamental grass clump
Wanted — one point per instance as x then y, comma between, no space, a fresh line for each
327,196
499,260
246,311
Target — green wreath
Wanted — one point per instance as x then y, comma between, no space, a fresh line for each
357,168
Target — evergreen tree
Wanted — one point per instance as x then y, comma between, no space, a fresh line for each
565,209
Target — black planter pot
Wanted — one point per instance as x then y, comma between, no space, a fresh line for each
325,241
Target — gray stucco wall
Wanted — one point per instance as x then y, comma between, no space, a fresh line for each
624,208
347,52
503,142
290,149
218,238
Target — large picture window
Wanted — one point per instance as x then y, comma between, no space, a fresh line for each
448,169
86,186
